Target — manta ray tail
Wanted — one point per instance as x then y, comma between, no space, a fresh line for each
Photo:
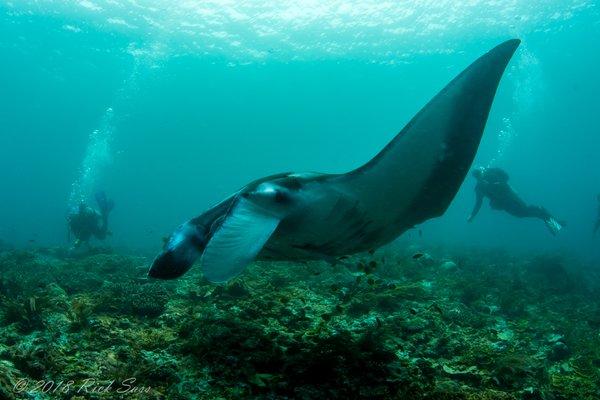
416,176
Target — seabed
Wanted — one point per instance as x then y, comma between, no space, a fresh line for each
446,325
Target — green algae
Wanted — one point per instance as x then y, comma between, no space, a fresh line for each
379,327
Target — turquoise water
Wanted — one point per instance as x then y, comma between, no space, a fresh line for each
170,108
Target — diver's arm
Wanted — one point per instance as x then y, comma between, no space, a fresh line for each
478,203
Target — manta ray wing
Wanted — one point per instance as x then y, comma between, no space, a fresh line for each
416,176
237,241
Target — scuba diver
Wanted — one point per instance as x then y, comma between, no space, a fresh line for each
88,222
597,226
493,184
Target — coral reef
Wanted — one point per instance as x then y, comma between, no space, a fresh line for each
471,325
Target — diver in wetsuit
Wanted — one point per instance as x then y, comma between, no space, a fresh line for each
493,184
597,226
87,222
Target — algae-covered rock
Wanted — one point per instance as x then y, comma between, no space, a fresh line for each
10,378
448,265
132,298
558,352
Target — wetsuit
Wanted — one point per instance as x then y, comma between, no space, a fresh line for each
493,184
88,222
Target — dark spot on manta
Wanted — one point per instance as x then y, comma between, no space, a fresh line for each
290,182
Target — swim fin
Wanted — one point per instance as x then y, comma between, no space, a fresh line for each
553,225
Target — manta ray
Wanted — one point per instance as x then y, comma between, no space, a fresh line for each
316,216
